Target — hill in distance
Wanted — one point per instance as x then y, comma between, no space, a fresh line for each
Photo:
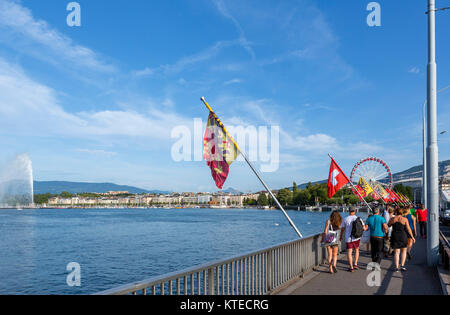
57,187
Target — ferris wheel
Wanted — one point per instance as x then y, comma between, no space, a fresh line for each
372,170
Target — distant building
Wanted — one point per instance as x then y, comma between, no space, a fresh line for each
204,199
116,193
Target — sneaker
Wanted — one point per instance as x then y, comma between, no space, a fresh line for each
356,267
334,269
396,270
403,269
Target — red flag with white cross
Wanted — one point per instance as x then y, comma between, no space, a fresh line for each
336,180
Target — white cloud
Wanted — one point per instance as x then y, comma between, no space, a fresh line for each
223,10
97,152
28,107
316,142
233,81
187,62
414,70
143,73
19,29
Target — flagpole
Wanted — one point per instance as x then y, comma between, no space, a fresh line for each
253,169
392,190
353,188
376,192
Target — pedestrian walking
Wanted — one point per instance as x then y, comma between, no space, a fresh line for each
330,239
352,229
422,219
399,239
377,226
388,215
412,225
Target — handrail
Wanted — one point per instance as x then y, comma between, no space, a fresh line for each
258,272
444,239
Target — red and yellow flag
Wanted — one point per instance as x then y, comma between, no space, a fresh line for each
383,193
220,150
363,188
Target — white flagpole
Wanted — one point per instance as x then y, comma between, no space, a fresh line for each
255,171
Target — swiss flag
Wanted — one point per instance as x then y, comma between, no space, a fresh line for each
336,180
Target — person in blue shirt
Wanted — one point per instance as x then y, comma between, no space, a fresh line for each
377,226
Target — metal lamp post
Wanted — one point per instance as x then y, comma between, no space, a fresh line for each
432,148
424,134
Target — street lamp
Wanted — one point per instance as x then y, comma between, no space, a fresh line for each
432,161
424,174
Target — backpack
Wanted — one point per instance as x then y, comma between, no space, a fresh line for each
357,229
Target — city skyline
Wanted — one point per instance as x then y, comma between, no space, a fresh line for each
98,103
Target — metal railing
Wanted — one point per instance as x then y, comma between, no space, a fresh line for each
256,273
444,250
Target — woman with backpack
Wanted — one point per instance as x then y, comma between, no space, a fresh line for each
330,239
399,238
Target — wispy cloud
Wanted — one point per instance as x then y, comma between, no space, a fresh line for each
28,107
414,70
144,72
233,81
223,10
97,152
19,29
188,61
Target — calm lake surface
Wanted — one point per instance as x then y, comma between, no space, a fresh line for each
119,246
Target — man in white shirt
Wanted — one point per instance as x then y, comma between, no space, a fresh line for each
352,243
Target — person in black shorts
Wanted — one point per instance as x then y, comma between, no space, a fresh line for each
399,238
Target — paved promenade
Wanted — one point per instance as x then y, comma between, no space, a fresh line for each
418,280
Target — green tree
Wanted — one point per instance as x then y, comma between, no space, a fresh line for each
284,196
302,197
262,200
42,198
407,191
294,189
66,194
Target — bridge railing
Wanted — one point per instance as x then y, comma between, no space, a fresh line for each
444,250
256,273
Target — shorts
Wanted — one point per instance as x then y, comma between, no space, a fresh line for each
354,245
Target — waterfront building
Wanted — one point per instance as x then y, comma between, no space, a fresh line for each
204,199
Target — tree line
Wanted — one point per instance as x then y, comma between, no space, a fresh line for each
317,193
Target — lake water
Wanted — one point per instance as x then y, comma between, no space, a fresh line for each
119,246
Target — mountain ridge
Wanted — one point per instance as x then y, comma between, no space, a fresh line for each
57,187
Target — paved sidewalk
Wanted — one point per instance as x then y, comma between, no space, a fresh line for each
418,280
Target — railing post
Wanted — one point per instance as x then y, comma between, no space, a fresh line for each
211,281
269,271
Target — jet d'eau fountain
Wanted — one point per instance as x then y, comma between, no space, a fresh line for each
16,183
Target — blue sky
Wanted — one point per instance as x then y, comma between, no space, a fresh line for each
98,103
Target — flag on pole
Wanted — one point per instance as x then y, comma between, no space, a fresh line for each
375,196
364,188
220,150
383,193
403,198
336,180
393,195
